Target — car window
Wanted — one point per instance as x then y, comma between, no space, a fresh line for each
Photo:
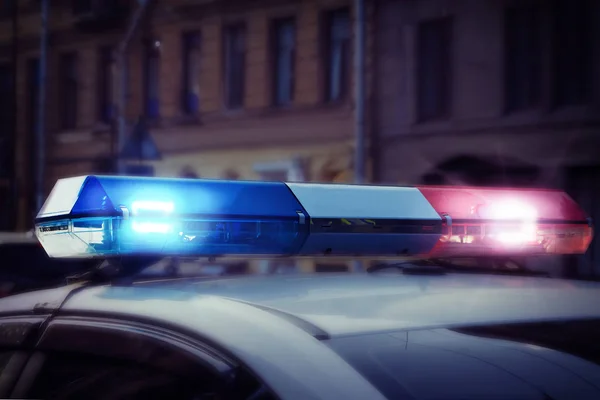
9,371
70,376
480,361
4,359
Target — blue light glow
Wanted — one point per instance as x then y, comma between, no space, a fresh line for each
144,206
126,216
151,211
151,227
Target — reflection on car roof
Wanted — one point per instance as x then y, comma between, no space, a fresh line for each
352,304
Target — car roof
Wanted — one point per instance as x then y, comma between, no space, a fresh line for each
344,304
350,304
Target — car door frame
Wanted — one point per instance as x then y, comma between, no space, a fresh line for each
126,340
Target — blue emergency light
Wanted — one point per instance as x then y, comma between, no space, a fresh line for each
101,216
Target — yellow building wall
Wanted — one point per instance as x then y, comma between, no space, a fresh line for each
317,161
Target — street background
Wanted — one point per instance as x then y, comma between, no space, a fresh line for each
480,92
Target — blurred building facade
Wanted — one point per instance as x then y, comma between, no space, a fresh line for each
227,89
7,121
491,92
502,92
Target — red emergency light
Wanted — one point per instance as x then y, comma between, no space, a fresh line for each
486,221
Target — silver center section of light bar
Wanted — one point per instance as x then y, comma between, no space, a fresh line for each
357,201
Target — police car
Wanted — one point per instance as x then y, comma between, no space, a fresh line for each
400,332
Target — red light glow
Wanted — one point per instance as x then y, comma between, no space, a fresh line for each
500,221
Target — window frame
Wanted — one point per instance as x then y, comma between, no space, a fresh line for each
129,341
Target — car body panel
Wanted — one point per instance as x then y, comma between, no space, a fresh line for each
413,311
347,304
275,349
46,300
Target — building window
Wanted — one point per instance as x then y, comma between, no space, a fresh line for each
68,91
105,84
151,75
190,96
76,375
235,65
6,98
6,121
283,53
7,8
79,7
572,39
523,57
32,107
337,54
434,69
33,88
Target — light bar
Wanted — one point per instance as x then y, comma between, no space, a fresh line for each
98,216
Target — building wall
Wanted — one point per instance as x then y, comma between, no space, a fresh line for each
478,122
215,139
545,136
